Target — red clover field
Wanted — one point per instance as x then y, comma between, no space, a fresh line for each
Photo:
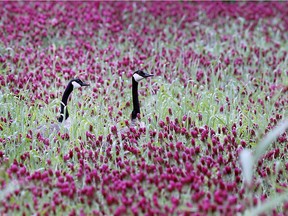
212,134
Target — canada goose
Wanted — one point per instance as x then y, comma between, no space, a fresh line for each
137,76
64,115
74,83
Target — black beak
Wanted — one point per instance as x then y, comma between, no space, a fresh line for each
85,84
147,75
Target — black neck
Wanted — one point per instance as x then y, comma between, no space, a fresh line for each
64,110
136,105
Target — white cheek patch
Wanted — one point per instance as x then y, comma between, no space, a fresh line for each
137,77
76,85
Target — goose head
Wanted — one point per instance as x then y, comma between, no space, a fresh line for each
77,83
139,75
